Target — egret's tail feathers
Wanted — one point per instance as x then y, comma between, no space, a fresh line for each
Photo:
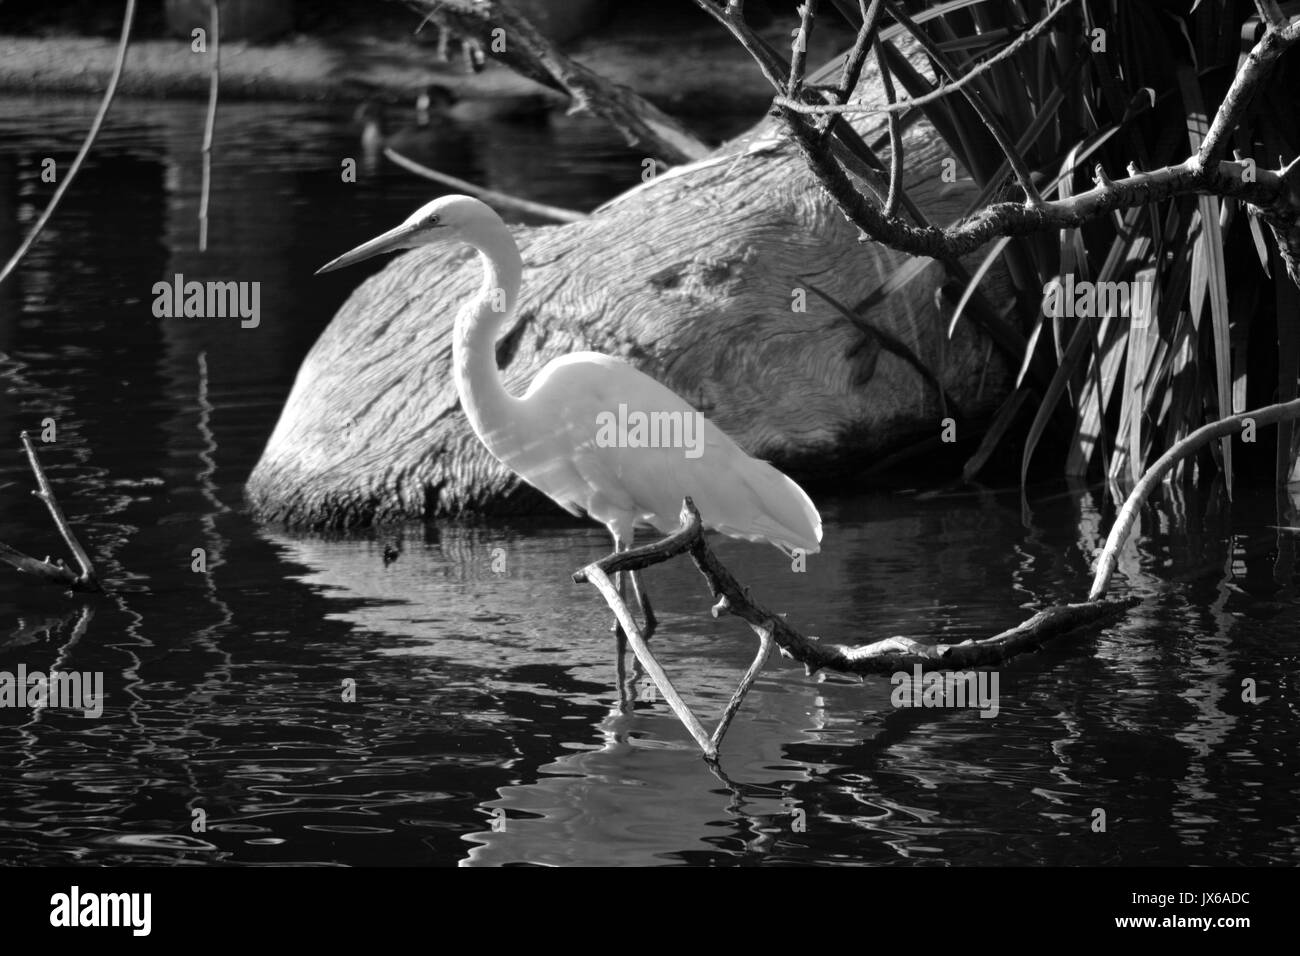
782,513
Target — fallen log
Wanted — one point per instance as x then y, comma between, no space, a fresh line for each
698,278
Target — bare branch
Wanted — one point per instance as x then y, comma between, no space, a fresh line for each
1225,427
857,57
499,199
530,53
733,19
990,120
98,121
880,657
52,572
210,124
46,494
895,137
600,579
799,53
1269,190
940,91
1278,37
1270,13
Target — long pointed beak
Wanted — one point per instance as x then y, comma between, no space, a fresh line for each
393,239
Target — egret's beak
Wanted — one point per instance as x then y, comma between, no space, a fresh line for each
401,237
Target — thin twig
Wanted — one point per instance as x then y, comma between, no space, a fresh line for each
1263,56
46,494
1270,12
940,91
18,255
1232,425
210,124
773,69
857,57
990,119
895,137
799,53
765,642
554,213
52,572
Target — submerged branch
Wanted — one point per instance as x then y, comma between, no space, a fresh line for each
884,656
52,572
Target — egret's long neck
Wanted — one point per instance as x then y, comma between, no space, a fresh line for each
474,360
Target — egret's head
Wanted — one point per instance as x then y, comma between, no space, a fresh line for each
449,219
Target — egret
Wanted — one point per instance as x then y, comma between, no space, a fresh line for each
593,433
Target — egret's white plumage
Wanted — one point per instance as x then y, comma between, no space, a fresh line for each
549,435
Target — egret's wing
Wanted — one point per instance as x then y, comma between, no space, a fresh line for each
736,494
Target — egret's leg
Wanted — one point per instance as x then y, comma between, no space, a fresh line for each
621,543
643,598
765,643
621,679
624,680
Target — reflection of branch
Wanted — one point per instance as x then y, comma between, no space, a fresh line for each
528,52
885,656
1202,436
17,257
55,572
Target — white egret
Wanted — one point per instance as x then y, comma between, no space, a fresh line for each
595,434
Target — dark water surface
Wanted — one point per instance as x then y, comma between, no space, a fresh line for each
486,729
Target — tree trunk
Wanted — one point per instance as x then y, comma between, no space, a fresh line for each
694,279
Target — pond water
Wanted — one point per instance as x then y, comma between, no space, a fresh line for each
486,727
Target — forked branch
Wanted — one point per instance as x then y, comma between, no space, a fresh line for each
528,52
1273,194
887,656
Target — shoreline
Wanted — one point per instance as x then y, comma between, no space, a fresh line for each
701,71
